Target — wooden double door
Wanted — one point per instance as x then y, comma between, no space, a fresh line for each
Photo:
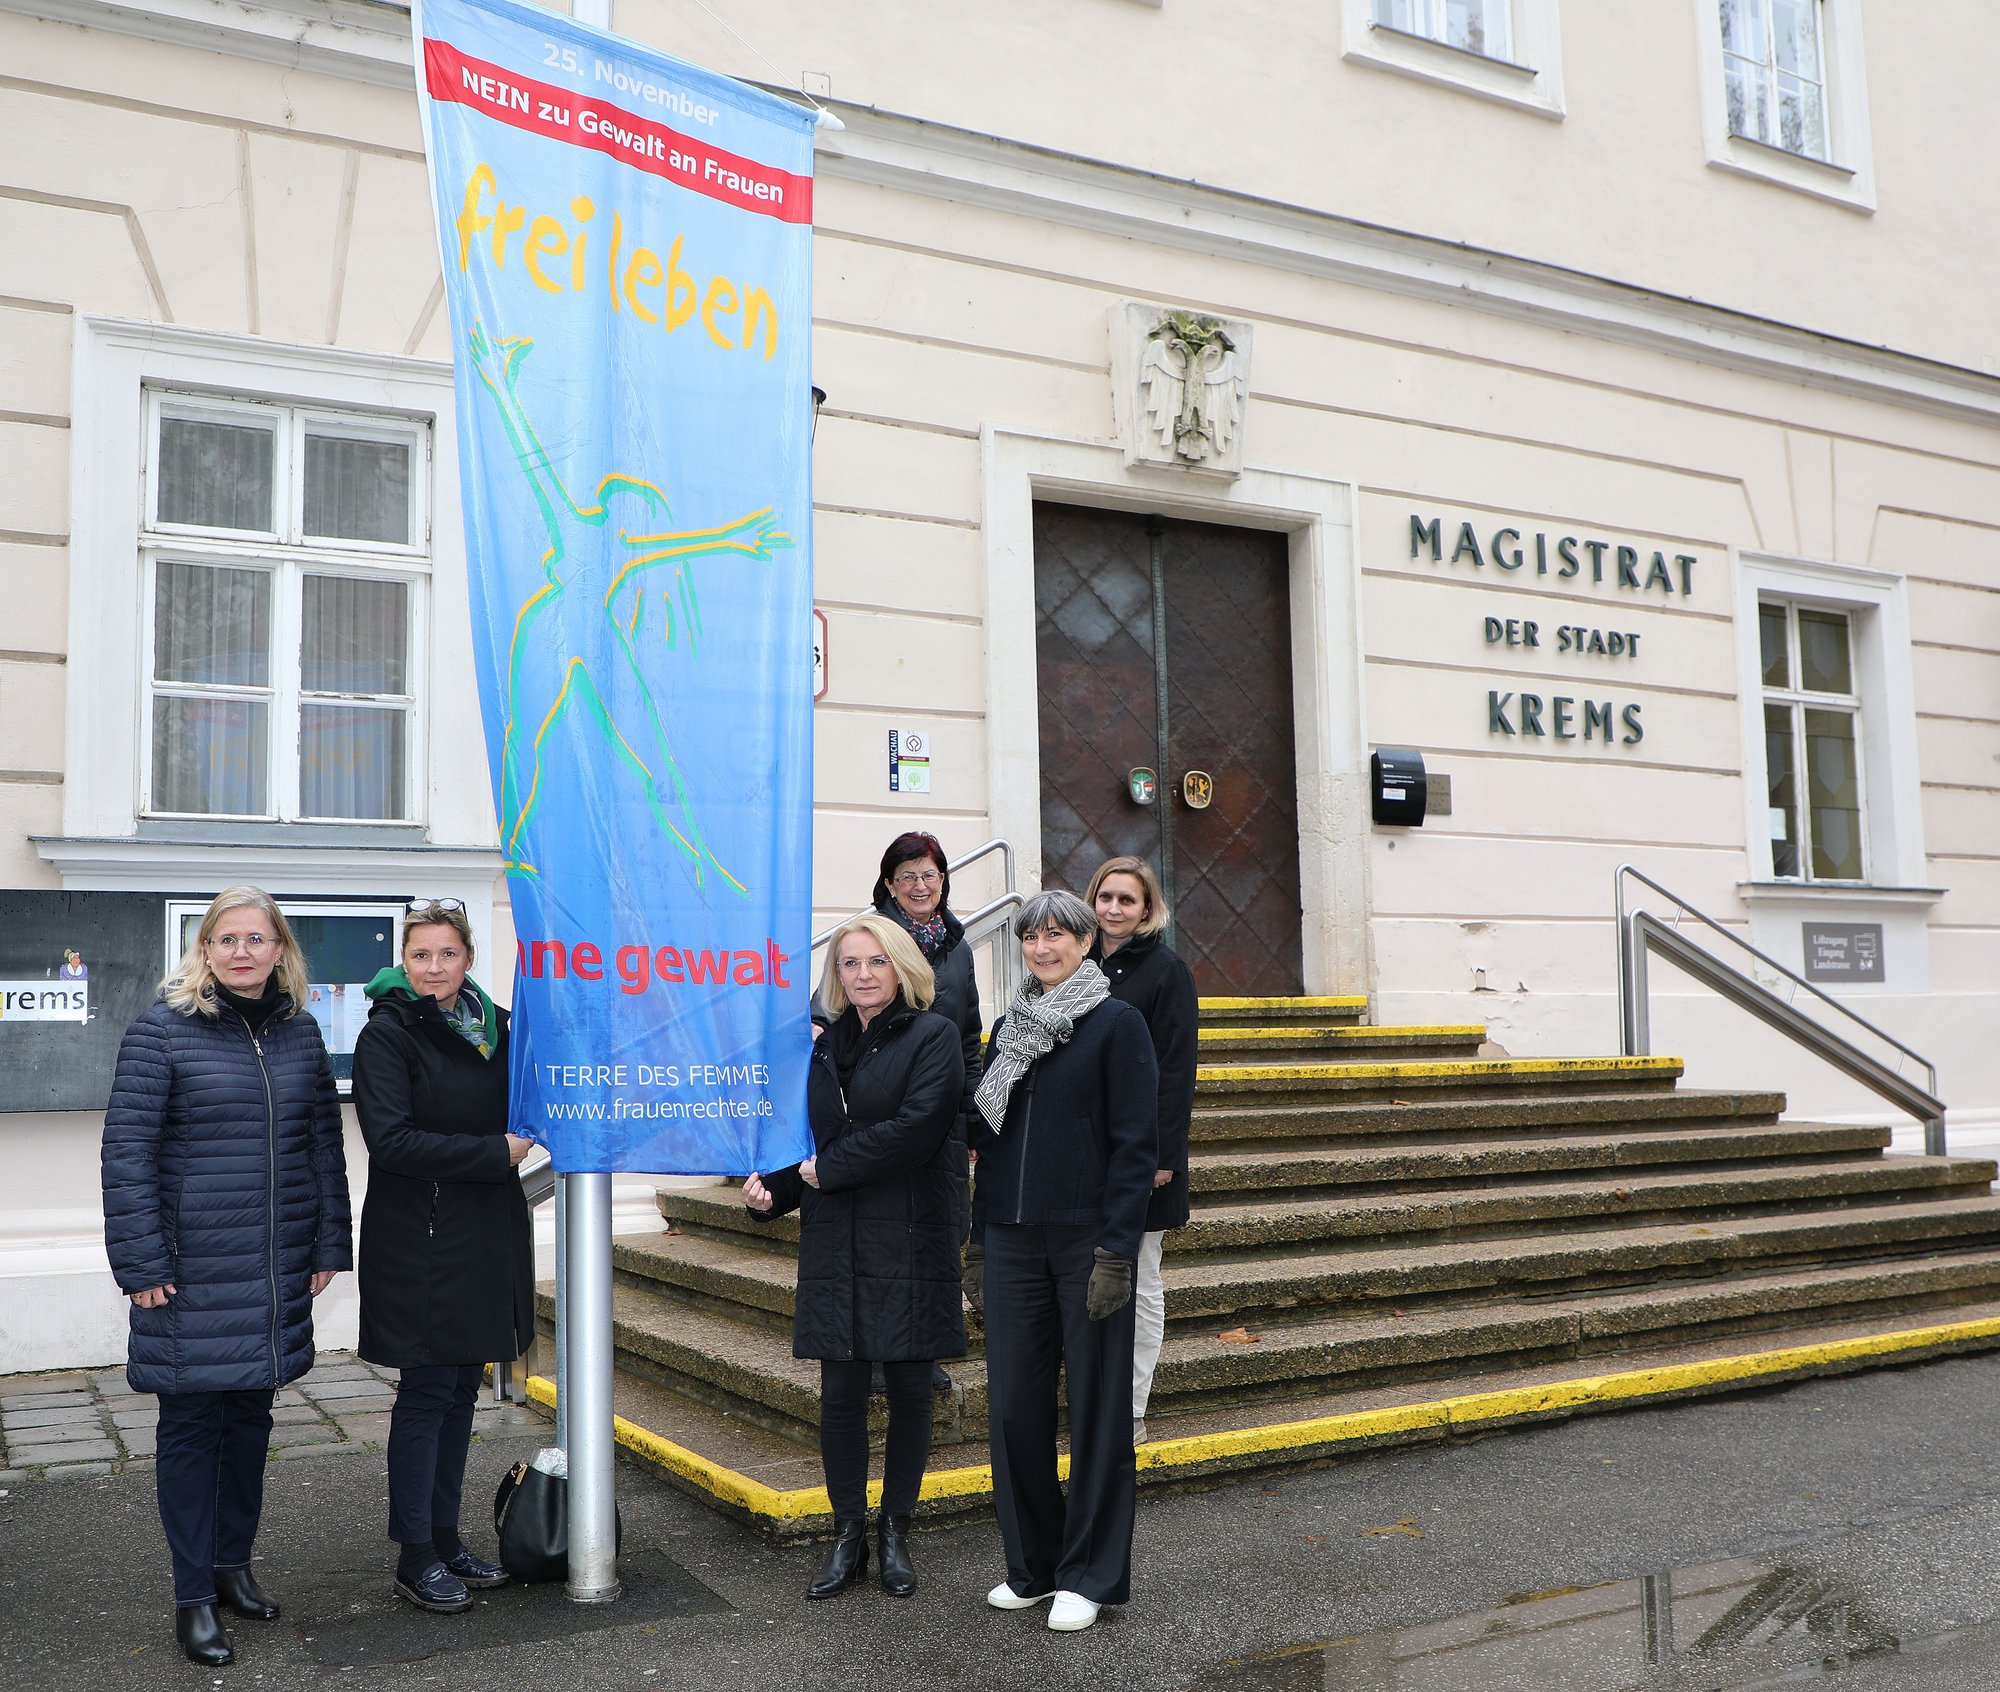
1165,646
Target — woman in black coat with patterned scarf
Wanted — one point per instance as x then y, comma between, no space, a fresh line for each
447,1260
879,1202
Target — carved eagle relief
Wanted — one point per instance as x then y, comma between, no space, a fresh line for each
1194,385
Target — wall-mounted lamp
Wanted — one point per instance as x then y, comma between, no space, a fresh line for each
819,399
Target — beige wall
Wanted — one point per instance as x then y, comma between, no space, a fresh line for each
159,181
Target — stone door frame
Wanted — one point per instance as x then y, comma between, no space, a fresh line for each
1316,515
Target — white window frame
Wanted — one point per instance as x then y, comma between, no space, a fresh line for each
116,363
1795,698
1877,607
287,554
1846,175
1530,79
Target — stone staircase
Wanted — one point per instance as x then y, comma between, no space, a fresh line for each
1385,1209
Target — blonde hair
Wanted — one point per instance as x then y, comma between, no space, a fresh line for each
191,987
1141,872
913,970
434,915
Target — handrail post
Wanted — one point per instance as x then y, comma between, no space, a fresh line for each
1934,1137
1635,1030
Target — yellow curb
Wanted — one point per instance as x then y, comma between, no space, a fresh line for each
767,1503
1473,1068
1349,1001
1365,1031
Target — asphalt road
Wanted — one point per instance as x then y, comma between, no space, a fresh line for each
1838,1528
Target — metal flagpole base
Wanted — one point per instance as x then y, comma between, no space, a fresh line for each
593,1503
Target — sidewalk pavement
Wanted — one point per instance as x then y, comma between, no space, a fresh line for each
87,1422
1863,1504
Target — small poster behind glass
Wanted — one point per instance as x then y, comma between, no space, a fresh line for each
345,946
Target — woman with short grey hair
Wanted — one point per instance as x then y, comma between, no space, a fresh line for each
1067,1150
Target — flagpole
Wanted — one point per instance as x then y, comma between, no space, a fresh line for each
593,1534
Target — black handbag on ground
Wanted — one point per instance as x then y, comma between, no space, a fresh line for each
531,1520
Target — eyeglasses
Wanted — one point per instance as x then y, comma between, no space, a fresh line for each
916,878
248,942
416,905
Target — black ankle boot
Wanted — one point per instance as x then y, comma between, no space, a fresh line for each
199,1629
846,1563
242,1594
899,1579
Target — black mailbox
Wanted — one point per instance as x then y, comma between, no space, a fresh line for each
1397,792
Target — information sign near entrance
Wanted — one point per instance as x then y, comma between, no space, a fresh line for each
1165,647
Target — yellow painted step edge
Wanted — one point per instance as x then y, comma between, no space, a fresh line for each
1470,1067
1469,1410
1348,1001
1365,1031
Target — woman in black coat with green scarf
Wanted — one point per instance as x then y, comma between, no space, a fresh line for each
447,1260
878,1202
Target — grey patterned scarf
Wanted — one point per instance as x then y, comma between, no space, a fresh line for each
1040,1019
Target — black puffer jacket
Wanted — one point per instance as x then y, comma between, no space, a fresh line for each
878,1238
447,1260
957,998
224,1177
1148,975
1078,1147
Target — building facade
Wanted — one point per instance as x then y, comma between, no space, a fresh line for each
1600,402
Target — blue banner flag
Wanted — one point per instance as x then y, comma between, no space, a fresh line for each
627,258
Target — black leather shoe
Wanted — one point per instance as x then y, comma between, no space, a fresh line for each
437,1588
242,1594
199,1629
899,1579
846,1563
476,1571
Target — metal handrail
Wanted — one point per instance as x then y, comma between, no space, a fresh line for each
1640,932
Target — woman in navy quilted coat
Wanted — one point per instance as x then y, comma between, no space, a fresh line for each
225,1216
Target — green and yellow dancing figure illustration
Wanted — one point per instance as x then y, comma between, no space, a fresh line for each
599,557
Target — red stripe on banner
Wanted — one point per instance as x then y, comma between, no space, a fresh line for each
563,115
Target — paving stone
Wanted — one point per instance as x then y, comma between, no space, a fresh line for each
321,1392
75,1471
337,1448
140,1442
72,1451
92,1429
323,1372
11,1477
145,1418
14,1421
289,1397
111,1383
291,1415
283,1439
45,1399
372,1429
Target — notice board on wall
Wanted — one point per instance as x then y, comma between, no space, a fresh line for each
76,968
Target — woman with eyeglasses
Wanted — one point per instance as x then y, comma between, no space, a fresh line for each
225,1216
447,1261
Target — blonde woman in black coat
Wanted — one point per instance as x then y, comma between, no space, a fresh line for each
878,1232
447,1264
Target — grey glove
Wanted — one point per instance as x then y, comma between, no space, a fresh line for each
1110,1288
972,1277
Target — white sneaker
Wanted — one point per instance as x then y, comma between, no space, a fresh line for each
1004,1597
1071,1613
